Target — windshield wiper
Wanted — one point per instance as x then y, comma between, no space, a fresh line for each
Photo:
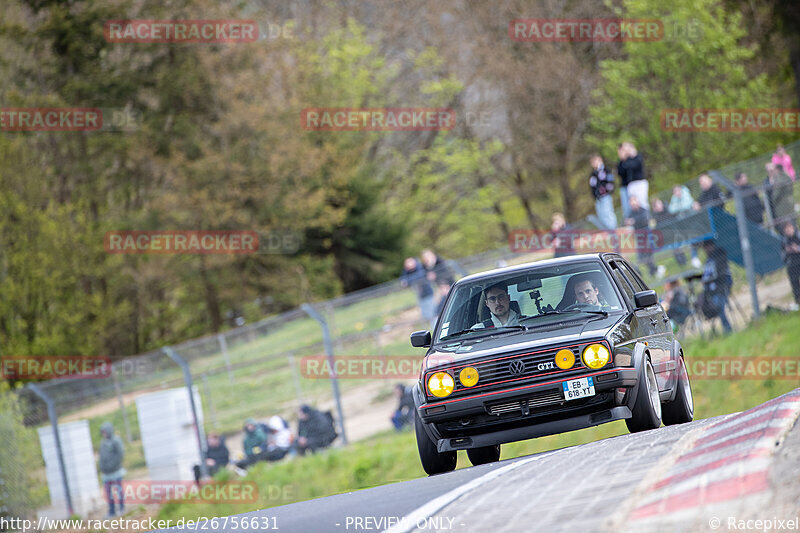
515,326
491,331
567,312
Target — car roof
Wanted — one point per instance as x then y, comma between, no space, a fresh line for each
568,260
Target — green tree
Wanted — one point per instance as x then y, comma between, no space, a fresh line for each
452,199
699,63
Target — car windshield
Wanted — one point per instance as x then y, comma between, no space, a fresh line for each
537,296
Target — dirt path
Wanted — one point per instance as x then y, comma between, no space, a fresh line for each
105,407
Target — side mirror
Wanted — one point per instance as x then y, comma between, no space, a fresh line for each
421,339
645,299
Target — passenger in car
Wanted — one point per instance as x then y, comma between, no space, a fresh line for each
586,292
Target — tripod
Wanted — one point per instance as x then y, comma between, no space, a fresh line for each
692,322
735,312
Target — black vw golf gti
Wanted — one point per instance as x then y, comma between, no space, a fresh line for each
544,348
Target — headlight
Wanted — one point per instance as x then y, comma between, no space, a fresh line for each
441,384
468,376
565,359
595,356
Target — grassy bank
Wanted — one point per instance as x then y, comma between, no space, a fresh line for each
391,457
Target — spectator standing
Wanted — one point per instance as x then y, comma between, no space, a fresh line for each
314,430
601,182
444,290
632,181
404,414
561,243
435,268
640,220
660,213
414,275
791,256
680,204
681,200
753,210
778,187
112,452
217,455
711,197
717,282
437,273
710,194
780,157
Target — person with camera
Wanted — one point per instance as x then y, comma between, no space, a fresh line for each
717,282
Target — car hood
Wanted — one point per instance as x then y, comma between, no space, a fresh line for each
573,330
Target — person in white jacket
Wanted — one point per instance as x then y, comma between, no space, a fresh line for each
681,200
280,438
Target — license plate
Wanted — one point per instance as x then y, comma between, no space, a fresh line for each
578,388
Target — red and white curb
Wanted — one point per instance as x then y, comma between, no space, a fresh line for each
728,461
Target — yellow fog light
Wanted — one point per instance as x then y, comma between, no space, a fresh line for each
441,384
565,359
468,376
595,356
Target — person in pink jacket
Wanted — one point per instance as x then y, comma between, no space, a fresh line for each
780,157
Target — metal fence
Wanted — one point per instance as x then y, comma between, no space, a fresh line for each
253,370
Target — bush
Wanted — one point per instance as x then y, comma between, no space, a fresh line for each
19,460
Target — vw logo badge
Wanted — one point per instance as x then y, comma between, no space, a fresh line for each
516,367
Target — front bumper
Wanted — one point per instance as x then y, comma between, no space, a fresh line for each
472,422
536,430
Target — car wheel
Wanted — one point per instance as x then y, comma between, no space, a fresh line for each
484,455
647,409
432,461
681,409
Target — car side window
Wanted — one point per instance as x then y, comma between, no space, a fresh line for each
636,282
622,281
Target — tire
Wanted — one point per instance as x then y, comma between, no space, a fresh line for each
647,409
484,455
681,409
432,461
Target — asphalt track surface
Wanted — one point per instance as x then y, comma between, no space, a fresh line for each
720,474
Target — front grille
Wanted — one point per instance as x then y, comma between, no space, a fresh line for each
540,399
504,408
509,368
489,421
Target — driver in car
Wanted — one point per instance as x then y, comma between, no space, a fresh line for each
499,304
586,292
